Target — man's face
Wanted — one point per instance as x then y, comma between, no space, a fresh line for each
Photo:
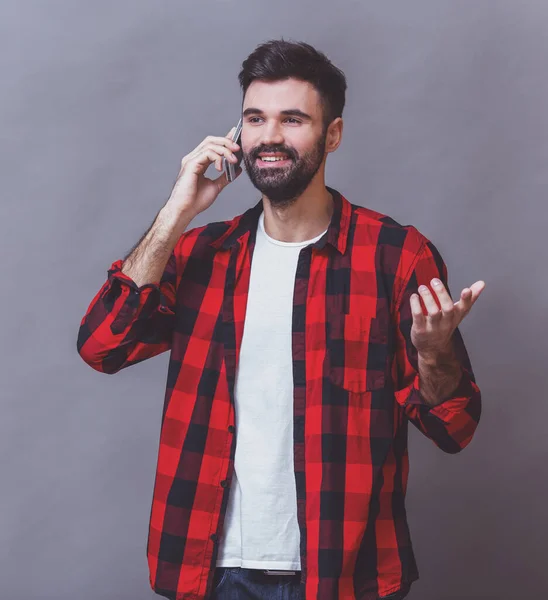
283,138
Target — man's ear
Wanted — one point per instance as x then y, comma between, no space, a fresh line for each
334,135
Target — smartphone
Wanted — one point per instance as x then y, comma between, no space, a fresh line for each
231,168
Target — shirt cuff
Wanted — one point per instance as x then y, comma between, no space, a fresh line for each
461,394
115,274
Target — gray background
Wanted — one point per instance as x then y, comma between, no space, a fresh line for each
445,128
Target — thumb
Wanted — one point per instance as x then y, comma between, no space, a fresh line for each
222,180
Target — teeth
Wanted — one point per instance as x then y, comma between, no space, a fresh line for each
272,158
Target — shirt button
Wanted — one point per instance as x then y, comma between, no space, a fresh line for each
224,483
214,537
231,429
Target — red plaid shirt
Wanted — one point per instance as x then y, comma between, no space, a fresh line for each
356,388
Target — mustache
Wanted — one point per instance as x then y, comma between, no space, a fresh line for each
254,153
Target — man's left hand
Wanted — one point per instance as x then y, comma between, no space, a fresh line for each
431,334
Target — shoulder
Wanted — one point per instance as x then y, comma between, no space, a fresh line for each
205,239
389,232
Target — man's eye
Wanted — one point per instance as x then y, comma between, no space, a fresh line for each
289,119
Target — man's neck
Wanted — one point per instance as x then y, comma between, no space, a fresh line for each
303,220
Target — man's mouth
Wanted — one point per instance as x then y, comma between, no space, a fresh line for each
276,160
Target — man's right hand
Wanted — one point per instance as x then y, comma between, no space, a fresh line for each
193,192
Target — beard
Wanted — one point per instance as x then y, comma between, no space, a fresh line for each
283,185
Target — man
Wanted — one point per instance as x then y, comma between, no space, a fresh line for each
300,350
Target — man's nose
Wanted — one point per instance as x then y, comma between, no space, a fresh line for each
272,134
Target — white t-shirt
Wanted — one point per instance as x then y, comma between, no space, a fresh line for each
260,528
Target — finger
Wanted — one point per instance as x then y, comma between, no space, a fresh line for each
462,307
223,151
416,310
201,161
210,141
214,154
477,288
219,141
429,302
445,300
468,297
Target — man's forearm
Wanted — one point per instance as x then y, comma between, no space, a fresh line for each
148,259
439,376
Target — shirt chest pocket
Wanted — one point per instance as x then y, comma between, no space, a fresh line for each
357,348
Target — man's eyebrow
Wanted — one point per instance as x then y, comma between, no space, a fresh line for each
292,112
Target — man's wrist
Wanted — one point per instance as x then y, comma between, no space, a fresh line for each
439,374
172,224
440,357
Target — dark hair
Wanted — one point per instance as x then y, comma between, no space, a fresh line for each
276,60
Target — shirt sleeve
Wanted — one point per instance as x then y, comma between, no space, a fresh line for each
126,324
451,424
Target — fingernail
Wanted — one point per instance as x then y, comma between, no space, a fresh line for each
436,281
422,288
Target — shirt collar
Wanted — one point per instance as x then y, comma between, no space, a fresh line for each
336,234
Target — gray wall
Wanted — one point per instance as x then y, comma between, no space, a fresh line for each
445,128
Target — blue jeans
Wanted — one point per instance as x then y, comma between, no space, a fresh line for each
234,583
